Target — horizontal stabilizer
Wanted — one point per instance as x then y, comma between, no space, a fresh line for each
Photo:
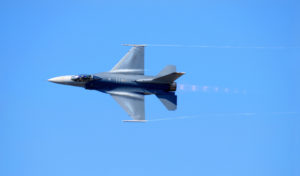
169,100
167,70
167,75
168,78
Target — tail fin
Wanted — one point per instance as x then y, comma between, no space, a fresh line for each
168,75
169,100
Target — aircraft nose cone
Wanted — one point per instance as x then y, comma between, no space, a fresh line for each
52,79
60,79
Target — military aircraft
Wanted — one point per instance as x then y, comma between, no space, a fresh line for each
127,84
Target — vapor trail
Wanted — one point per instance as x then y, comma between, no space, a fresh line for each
243,114
223,46
210,89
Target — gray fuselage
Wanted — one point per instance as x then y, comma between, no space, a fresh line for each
106,82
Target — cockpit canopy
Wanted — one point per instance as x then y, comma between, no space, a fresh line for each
82,78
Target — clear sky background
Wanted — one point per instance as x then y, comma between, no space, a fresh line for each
238,111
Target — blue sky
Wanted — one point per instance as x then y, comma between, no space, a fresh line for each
242,118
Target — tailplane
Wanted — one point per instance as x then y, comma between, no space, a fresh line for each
167,70
169,100
168,75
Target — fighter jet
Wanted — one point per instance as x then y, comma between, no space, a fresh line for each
127,84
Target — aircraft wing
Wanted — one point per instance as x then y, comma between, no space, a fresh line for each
132,103
132,62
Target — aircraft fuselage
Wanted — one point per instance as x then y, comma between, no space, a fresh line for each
127,84
106,82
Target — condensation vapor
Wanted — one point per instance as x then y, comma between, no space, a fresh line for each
243,114
223,46
210,89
